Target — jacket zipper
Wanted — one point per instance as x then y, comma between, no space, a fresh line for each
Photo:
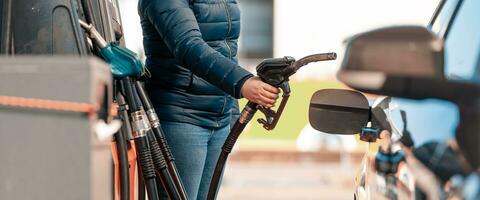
229,29
229,50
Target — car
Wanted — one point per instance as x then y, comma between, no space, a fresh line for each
433,75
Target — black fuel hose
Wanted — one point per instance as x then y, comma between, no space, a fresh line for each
121,138
162,143
141,127
273,74
161,168
245,116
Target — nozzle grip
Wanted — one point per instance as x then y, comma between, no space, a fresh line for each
272,117
276,72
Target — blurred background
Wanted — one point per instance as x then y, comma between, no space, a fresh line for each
294,161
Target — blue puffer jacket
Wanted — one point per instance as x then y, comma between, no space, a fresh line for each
191,50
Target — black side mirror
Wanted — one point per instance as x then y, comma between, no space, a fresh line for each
404,61
338,111
386,61
401,51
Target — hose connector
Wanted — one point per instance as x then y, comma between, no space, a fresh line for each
140,124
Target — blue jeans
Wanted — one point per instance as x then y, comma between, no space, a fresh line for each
196,150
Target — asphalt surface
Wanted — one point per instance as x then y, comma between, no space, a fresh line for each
288,180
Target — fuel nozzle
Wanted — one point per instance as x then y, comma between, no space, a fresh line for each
123,62
276,72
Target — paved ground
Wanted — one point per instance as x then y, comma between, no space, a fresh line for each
287,180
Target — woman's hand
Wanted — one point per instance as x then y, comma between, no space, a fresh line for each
259,92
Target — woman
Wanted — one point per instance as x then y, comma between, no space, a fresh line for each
191,48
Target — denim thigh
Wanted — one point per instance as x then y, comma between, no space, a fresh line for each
196,151
217,139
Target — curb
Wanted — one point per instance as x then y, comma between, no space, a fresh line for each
293,156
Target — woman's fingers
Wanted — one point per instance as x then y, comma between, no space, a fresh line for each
270,88
266,100
269,95
259,92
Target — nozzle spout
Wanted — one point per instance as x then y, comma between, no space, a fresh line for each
313,58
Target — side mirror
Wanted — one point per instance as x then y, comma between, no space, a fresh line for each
338,111
401,51
403,61
387,61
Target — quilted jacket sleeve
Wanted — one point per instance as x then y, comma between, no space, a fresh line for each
176,24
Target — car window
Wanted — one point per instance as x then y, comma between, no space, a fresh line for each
428,120
462,45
